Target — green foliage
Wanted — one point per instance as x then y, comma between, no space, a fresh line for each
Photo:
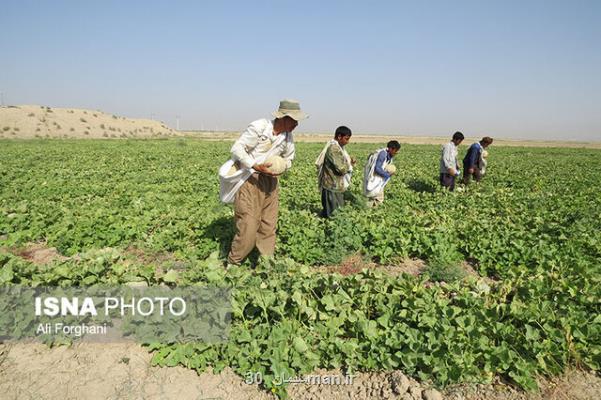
288,320
529,225
442,272
444,260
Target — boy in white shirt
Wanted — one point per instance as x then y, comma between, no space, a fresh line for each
449,166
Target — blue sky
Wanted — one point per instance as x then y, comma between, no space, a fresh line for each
523,69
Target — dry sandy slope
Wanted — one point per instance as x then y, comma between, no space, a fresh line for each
32,121
359,138
27,121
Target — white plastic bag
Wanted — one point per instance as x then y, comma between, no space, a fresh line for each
230,184
373,183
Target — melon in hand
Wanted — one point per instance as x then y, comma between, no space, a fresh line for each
390,168
278,165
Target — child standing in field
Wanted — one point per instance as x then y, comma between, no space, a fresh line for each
449,166
377,173
335,168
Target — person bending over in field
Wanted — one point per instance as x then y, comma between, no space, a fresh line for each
335,168
474,162
377,173
250,179
449,167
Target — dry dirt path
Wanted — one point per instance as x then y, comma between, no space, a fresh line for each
123,371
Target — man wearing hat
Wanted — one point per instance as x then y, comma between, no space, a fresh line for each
256,202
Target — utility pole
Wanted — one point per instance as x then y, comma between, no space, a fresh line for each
177,122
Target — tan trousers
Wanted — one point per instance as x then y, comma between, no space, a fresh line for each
256,216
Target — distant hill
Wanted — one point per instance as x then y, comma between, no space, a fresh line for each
25,122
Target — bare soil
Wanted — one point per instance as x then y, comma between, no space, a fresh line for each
355,264
108,371
123,371
411,266
37,253
573,385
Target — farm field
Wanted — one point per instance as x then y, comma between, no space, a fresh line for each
501,280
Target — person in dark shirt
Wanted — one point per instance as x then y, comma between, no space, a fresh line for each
472,162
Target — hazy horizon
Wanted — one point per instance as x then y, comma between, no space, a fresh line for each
525,70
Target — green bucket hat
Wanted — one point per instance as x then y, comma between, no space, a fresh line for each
290,108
